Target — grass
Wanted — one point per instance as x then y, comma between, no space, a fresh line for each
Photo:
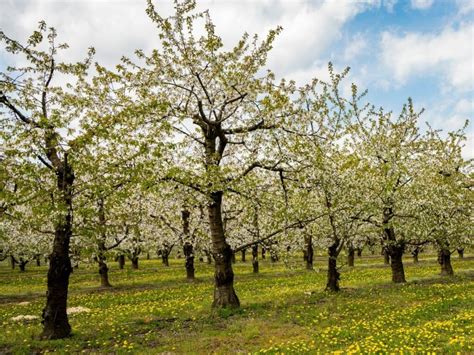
284,309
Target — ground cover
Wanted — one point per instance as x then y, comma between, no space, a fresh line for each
284,309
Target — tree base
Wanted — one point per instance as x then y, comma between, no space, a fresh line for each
57,332
225,297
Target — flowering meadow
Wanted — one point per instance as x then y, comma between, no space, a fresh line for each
156,310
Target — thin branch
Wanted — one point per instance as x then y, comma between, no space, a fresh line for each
4,100
48,165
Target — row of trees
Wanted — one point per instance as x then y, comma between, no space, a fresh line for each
198,145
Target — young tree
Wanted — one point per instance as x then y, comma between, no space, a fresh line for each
327,175
392,152
445,197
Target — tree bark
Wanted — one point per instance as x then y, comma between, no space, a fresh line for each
444,259
461,253
188,248
415,254
350,256
22,265
121,261
38,261
243,251
386,257
333,275
165,259
101,259
396,255
255,258
54,317
309,252
224,293
12,262
104,273
189,260
134,260
359,252
393,248
264,252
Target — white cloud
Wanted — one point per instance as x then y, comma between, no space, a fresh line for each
464,106
468,151
449,113
118,27
421,4
115,28
449,53
389,4
465,6
357,45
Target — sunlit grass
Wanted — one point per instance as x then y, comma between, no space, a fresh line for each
283,310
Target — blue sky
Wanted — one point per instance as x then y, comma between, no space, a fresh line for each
397,49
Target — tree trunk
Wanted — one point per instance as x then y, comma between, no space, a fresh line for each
101,259
121,261
393,248
396,255
415,254
444,258
386,257
188,249
22,265
164,258
359,252
38,261
134,262
350,256
243,255
189,260
224,293
333,274
309,252
264,251
233,258
255,258
461,253
54,317
12,261
104,273
273,255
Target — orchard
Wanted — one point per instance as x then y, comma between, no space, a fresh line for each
186,200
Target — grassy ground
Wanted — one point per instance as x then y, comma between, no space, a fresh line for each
283,310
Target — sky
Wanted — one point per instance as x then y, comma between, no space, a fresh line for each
423,49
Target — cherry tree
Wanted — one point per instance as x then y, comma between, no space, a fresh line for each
219,101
